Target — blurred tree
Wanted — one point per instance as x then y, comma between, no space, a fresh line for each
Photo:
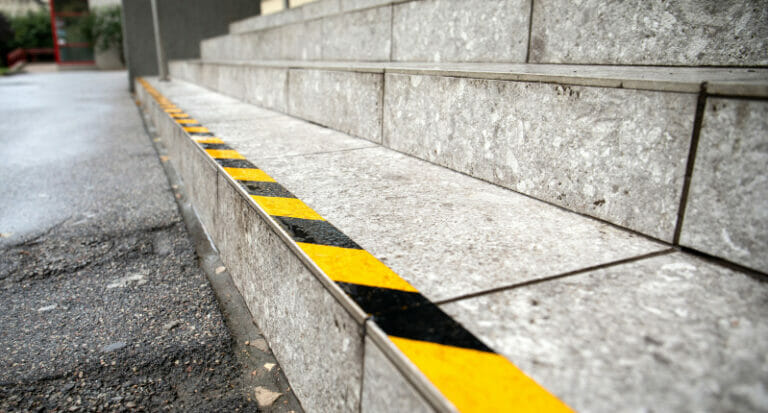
104,29
32,30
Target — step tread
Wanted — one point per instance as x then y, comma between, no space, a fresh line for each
454,227
450,235
719,81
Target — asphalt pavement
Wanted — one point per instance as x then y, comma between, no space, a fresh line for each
103,303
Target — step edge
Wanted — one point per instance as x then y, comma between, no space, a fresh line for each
410,373
274,20
748,82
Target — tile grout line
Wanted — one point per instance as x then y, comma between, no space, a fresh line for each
750,272
422,334
698,120
530,30
373,146
558,276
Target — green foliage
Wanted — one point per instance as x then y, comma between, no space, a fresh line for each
32,30
106,27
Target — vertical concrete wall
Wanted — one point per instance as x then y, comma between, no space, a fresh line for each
183,24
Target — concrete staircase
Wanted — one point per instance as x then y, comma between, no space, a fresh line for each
535,205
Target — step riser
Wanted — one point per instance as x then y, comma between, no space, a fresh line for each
616,154
448,121
318,343
634,32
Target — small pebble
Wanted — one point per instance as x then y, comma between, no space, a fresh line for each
47,308
171,325
114,346
265,397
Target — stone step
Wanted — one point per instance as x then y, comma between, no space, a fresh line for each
478,298
635,32
660,151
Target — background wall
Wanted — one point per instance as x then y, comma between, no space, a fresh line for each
183,24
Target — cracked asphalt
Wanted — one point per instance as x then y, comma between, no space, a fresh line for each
103,304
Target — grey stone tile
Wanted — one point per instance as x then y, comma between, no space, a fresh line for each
363,35
220,47
320,8
349,5
292,15
384,388
446,233
263,86
346,101
727,81
727,210
614,154
185,70
209,77
267,87
300,41
207,107
706,32
200,178
461,31
318,344
751,82
231,81
265,44
671,333
283,136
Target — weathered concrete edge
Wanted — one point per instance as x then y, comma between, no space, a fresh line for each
409,372
422,385
755,86
304,13
236,314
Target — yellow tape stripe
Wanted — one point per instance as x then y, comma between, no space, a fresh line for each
202,129
208,139
286,207
247,174
478,381
224,154
186,120
354,266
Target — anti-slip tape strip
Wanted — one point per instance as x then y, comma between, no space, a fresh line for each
466,371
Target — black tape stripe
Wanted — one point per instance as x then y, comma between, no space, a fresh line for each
200,133
315,232
219,146
188,124
427,322
378,300
272,189
236,163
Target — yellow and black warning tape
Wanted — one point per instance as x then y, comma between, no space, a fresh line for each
468,373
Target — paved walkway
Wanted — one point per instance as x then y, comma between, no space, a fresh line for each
102,303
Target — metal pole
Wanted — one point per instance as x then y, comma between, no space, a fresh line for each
286,5
161,68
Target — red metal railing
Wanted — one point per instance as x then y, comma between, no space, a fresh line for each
29,55
16,56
